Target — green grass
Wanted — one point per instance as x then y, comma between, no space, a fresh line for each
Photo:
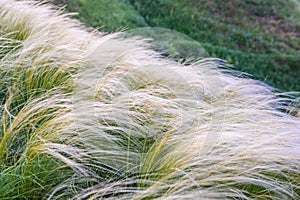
257,37
106,15
234,24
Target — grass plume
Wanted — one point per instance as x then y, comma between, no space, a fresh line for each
87,115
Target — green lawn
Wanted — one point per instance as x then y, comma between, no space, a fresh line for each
255,36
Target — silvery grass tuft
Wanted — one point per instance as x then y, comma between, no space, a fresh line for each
86,115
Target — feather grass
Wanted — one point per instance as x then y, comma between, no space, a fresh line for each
86,115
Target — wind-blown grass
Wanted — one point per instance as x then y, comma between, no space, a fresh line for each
89,116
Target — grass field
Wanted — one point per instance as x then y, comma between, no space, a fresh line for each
255,36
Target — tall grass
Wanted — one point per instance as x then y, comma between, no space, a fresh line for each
86,115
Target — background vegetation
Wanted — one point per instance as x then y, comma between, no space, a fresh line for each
255,36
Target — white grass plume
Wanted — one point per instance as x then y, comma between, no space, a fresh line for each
91,116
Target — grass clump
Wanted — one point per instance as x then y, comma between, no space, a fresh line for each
86,115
